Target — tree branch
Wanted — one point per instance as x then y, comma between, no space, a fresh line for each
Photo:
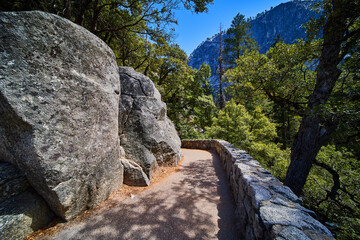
336,178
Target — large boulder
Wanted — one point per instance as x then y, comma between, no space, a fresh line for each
147,135
59,100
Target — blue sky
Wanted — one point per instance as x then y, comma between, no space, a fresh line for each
193,28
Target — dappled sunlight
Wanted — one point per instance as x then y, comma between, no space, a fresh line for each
194,202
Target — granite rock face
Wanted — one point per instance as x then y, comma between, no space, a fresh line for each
147,135
22,210
59,100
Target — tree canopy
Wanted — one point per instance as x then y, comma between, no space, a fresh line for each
136,30
310,91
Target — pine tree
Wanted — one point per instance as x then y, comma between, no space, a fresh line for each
238,40
221,71
278,39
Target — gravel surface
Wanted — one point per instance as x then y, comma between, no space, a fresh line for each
192,203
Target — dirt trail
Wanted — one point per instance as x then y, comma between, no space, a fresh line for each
192,203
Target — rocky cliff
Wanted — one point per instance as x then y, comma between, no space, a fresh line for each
285,19
63,106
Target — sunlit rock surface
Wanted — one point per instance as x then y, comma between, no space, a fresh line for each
59,100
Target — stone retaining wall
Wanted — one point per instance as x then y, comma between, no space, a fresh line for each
265,208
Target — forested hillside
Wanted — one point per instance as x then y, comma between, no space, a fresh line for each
293,105
284,21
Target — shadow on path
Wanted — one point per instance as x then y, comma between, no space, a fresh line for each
193,203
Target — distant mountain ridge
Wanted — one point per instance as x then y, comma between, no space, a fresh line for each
285,19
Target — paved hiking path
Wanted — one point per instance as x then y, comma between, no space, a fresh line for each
192,203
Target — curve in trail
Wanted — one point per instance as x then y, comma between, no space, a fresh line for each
192,203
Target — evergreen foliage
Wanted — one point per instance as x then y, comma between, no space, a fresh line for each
333,190
253,132
187,94
239,39
310,88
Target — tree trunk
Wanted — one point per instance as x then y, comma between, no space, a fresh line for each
221,92
81,7
67,7
96,13
307,143
221,70
314,131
